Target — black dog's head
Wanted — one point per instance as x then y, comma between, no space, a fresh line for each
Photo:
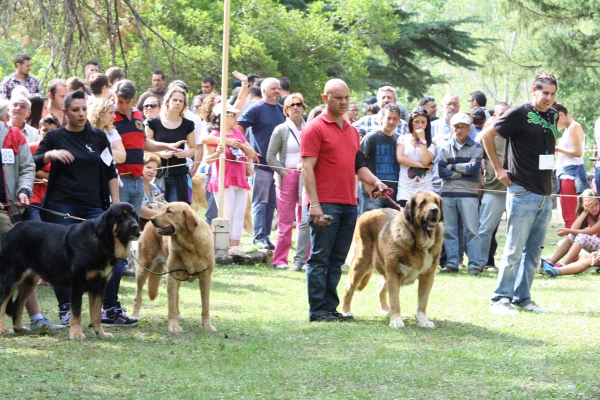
424,209
120,221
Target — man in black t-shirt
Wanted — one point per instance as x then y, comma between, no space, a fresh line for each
530,131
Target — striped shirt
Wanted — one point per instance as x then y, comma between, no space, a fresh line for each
134,138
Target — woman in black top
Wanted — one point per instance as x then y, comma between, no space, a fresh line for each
82,182
82,173
170,126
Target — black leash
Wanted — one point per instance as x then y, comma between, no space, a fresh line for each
65,216
170,272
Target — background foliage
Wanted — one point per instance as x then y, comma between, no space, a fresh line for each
420,46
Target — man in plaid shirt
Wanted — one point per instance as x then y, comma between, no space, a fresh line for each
20,77
372,123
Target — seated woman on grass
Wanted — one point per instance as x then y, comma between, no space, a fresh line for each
583,234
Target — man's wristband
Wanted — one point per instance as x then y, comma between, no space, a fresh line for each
316,205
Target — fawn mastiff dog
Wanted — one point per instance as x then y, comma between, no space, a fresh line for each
402,246
180,242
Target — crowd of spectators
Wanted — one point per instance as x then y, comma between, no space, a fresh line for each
95,141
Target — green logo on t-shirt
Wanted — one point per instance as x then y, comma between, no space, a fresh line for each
538,120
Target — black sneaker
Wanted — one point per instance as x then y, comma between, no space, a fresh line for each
116,317
340,316
324,318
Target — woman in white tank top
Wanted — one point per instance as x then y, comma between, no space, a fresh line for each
570,172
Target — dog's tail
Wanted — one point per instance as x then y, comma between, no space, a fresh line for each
154,282
364,280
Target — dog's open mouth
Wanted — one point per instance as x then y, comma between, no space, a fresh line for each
431,225
167,230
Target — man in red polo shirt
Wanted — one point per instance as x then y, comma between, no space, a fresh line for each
331,159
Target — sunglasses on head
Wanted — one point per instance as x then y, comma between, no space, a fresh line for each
150,105
419,111
427,99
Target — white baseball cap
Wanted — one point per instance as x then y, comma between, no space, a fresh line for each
460,118
219,107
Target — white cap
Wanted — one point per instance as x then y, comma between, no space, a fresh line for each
219,107
460,118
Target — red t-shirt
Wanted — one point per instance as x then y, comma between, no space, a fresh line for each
335,150
39,189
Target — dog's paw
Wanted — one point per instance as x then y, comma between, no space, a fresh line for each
423,322
174,327
397,323
209,327
77,336
21,329
384,311
348,314
5,331
105,336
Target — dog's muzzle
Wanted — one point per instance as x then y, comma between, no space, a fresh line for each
163,230
432,218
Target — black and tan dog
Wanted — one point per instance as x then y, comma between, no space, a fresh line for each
183,243
402,246
78,257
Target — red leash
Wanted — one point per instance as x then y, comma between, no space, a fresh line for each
385,193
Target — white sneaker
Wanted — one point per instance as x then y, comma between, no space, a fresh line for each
502,307
45,325
532,307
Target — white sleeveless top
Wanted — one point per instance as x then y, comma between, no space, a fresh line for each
563,160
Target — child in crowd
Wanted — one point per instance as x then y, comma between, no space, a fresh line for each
236,184
583,234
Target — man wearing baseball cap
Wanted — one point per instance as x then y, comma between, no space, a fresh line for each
459,166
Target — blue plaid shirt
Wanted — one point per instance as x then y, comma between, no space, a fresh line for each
10,82
372,123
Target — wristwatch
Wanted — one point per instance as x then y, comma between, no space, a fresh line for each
422,142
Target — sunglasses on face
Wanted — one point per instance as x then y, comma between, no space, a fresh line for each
292,105
230,114
22,106
150,106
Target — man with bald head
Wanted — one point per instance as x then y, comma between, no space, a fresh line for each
331,161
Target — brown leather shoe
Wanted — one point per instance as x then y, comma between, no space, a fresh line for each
448,270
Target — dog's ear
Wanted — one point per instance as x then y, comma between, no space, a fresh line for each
440,205
409,209
101,222
190,220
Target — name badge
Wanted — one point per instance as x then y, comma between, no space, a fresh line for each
546,161
8,156
106,157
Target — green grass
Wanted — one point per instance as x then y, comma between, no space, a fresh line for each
265,348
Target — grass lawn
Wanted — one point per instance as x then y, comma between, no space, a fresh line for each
265,348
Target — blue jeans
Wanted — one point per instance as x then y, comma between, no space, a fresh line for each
34,214
528,217
365,203
264,201
211,211
467,209
490,213
112,289
330,245
597,178
132,192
